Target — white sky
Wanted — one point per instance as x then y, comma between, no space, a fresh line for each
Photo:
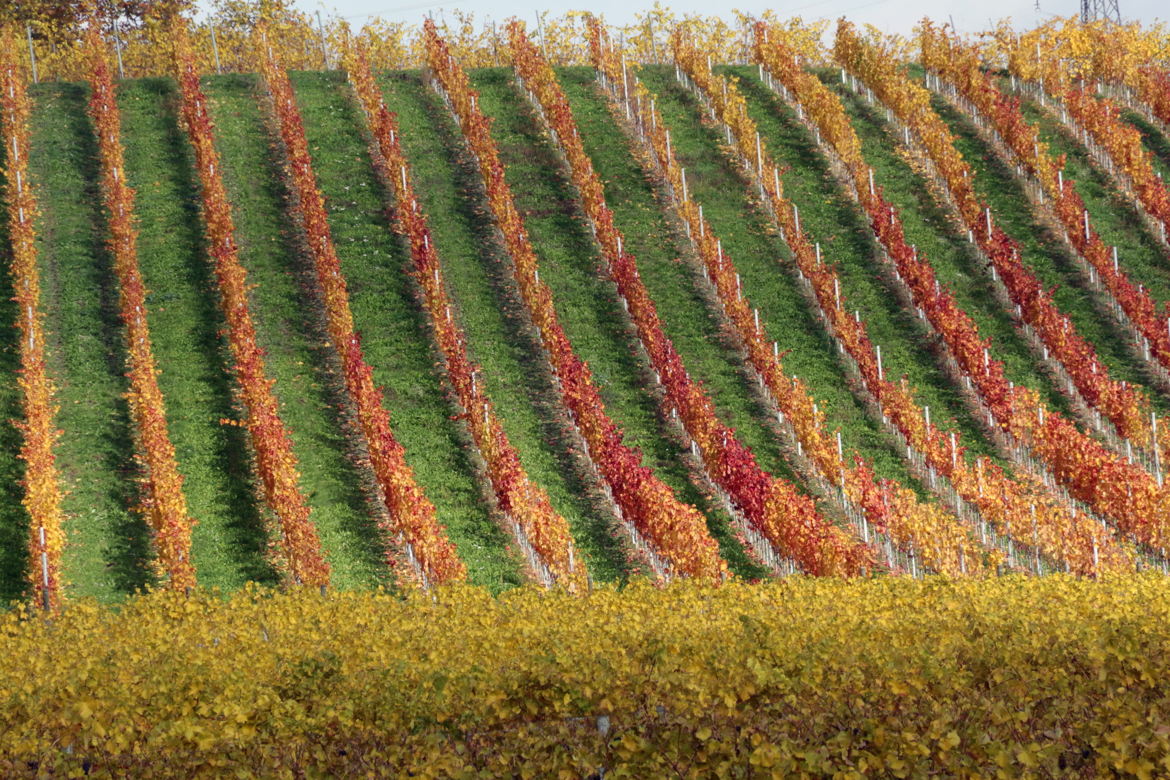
890,15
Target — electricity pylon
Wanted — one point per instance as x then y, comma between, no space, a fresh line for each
1091,10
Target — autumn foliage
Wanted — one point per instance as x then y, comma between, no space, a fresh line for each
525,505
674,530
276,464
959,66
1020,507
1107,482
412,523
163,501
886,507
1122,404
787,518
42,487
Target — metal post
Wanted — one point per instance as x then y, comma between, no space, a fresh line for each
324,52
118,49
32,55
44,571
540,29
215,49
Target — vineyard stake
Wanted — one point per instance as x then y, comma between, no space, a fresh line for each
32,55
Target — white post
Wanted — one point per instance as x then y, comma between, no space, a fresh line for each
1157,456
44,570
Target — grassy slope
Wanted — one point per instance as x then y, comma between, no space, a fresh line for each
392,325
1111,213
107,547
296,355
497,338
929,226
736,217
829,216
586,301
185,326
1048,256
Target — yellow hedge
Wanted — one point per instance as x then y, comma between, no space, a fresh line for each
814,677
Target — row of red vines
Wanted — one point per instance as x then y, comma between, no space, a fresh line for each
42,486
674,530
276,464
959,65
787,518
163,501
542,532
944,545
1012,506
412,523
1091,472
1124,405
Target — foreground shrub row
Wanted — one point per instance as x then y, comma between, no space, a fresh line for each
1052,676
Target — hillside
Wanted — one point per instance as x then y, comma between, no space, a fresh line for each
901,377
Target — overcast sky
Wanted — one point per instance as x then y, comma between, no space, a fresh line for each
890,15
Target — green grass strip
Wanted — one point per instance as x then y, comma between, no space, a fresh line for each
587,302
830,216
497,337
748,238
392,326
297,355
1046,253
107,553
